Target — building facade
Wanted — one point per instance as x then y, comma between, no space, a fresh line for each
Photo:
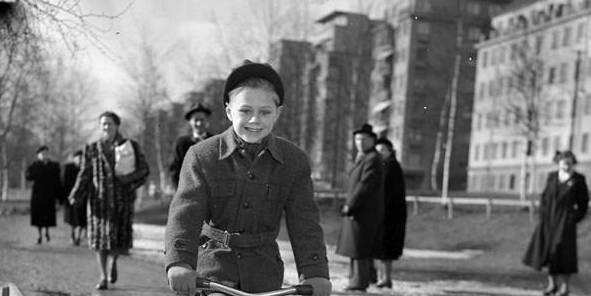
422,52
532,96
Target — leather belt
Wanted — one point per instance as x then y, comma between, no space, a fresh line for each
237,240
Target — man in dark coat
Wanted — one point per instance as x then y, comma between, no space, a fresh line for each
363,209
47,189
390,240
198,118
563,204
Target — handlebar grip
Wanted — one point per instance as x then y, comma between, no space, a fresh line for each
202,283
304,289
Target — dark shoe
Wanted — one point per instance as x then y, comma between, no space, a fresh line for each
354,289
384,284
39,240
113,275
47,237
102,285
77,242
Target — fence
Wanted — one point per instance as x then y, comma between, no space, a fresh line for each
488,203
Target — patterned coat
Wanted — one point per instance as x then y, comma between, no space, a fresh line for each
110,198
554,241
47,189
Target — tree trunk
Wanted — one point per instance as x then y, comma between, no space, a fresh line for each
438,140
158,147
452,109
4,172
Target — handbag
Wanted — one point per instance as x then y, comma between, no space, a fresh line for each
124,159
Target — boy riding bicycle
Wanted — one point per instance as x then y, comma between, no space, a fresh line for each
225,216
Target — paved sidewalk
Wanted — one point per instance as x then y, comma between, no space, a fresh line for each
148,245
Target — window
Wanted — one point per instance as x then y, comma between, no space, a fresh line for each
423,28
566,36
501,182
473,8
476,152
515,149
563,74
502,55
481,90
588,105
580,32
585,143
545,146
493,151
504,150
557,143
513,53
539,43
484,59
512,181
551,75
479,122
560,108
474,33
555,37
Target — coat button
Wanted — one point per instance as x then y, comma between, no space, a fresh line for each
315,257
250,175
246,205
238,255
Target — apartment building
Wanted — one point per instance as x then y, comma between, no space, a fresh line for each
422,57
532,96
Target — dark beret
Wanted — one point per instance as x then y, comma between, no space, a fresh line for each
197,108
249,70
386,142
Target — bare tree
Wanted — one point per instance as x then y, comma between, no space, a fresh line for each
146,92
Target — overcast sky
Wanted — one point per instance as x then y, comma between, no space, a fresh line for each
188,25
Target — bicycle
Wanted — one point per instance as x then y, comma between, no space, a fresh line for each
212,286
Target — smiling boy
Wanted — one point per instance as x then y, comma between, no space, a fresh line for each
233,190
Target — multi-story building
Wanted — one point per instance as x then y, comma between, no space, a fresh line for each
526,104
336,93
422,58
289,59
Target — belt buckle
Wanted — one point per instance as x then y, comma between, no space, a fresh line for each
226,241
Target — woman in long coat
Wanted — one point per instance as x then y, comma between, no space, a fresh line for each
363,209
110,196
553,245
75,216
390,238
45,175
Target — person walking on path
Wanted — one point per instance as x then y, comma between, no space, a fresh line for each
234,187
75,216
47,190
363,209
198,118
553,245
390,238
112,169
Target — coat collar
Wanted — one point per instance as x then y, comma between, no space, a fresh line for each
228,146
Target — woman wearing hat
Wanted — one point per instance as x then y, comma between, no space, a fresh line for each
109,191
47,189
553,245
363,209
198,119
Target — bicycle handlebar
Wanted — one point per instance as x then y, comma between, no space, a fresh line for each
217,287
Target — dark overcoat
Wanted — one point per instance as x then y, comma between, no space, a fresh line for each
110,198
554,241
390,238
365,199
222,186
181,146
73,215
47,189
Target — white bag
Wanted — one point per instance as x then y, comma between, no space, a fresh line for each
124,159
